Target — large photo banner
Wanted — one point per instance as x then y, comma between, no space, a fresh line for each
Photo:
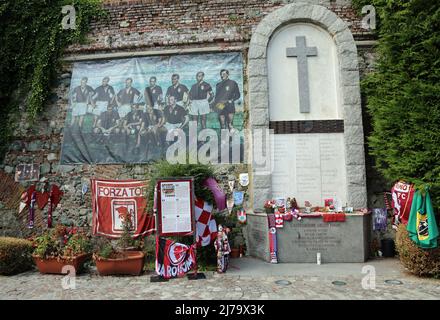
121,111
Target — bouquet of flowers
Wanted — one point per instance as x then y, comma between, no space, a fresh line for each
270,206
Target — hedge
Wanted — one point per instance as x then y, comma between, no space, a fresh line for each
403,92
421,262
15,255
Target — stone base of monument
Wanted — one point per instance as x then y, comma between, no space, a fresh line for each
299,241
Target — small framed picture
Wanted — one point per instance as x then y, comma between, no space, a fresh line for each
348,209
280,201
27,172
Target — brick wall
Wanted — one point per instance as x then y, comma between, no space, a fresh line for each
135,24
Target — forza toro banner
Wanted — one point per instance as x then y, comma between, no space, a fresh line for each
122,110
173,259
115,199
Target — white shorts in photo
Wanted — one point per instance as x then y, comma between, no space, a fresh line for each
124,110
199,107
79,109
100,107
172,126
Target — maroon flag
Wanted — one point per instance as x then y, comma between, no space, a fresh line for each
112,199
402,194
173,259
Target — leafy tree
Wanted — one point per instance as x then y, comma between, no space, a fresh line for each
403,93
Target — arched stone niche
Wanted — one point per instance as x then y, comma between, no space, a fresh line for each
339,82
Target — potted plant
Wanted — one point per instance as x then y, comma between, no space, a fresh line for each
122,259
237,243
60,247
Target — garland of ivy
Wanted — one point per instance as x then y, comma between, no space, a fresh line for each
403,93
33,41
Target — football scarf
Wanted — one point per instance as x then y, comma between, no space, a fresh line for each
114,198
173,259
333,217
272,238
402,194
279,221
33,200
422,227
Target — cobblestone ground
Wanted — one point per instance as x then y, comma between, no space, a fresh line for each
32,285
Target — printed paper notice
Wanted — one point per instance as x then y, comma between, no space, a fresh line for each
176,207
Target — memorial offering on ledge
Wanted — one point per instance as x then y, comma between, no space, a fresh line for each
348,209
280,202
308,207
270,206
329,203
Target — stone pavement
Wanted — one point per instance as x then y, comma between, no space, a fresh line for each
247,278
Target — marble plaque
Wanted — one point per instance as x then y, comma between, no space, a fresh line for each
309,167
300,241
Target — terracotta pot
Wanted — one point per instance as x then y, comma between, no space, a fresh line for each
129,249
55,265
132,264
235,253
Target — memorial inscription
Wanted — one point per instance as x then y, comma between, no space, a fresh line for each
300,241
318,237
309,166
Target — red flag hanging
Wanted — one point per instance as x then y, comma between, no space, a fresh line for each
114,198
402,194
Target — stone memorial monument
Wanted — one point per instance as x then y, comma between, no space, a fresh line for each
304,86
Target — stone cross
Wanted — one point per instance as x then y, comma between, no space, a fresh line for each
301,52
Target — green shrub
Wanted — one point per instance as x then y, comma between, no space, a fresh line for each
421,262
15,255
103,247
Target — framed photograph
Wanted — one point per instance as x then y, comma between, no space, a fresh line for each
348,209
27,172
175,207
280,201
